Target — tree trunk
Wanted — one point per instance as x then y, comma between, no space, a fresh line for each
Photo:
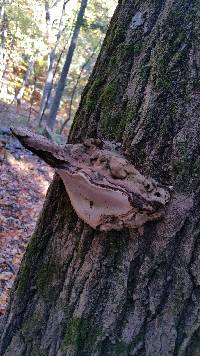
48,86
20,92
63,77
69,116
85,292
4,28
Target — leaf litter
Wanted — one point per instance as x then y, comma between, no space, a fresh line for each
24,180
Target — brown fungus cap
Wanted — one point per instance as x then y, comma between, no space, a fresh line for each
106,191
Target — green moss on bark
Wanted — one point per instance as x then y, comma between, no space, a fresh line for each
127,50
120,349
109,94
80,332
44,281
31,327
24,278
118,35
93,93
25,272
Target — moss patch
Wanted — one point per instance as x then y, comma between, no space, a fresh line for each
186,171
196,83
44,281
24,278
127,50
109,123
93,93
118,35
31,327
163,80
120,349
109,94
82,334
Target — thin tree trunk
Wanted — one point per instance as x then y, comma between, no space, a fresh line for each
63,77
6,61
71,103
50,61
85,292
50,73
32,95
75,88
2,14
2,7
48,20
47,88
20,93
4,28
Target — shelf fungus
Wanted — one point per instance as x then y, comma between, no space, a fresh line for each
106,191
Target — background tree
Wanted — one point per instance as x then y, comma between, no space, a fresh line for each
63,77
42,30
22,40
73,94
84,292
51,57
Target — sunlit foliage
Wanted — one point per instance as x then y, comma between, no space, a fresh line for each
29,31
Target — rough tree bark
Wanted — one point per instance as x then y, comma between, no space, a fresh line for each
84,292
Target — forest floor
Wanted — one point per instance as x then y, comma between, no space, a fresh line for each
24,181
